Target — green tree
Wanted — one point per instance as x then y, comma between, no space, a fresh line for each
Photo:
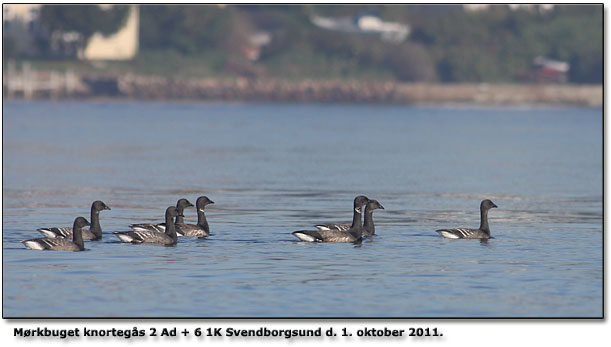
189,29
499,44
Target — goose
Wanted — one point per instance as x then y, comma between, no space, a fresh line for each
167,238
61,243
370,229
201,229
351,235
181,204
359,201
94,232
482,233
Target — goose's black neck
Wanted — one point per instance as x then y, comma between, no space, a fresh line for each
170,229
368,225
95,227
180,219
357,233
356,218
484,221
77,236
201,220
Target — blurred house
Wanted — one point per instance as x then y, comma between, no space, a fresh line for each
513,7
256,42
544,70
26,13
476,7
122,45
532,7
21,26
368,23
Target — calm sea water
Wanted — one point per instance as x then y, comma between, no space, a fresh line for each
273,169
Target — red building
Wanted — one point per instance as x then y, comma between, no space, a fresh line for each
545,70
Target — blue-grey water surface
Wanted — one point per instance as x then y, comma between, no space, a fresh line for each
273,169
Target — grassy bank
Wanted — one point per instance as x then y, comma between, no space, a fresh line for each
291,66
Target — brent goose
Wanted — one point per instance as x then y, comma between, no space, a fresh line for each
167,238
94,232
482,233
181,204
370,229
359,201
60,243
201,229
334,235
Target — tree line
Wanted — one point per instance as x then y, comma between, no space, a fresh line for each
446,43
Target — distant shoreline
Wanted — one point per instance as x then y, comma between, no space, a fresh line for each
131,87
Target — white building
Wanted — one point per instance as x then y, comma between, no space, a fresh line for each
367,24
26,13
513,7
122,45
21,21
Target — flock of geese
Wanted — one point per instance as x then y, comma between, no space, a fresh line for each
167,233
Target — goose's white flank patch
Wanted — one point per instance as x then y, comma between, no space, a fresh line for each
449,235
305,237
125,237
33,245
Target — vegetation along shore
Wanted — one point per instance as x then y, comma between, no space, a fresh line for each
274,90
484,54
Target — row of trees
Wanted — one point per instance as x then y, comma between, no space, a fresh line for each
446,42
452,45
499,43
